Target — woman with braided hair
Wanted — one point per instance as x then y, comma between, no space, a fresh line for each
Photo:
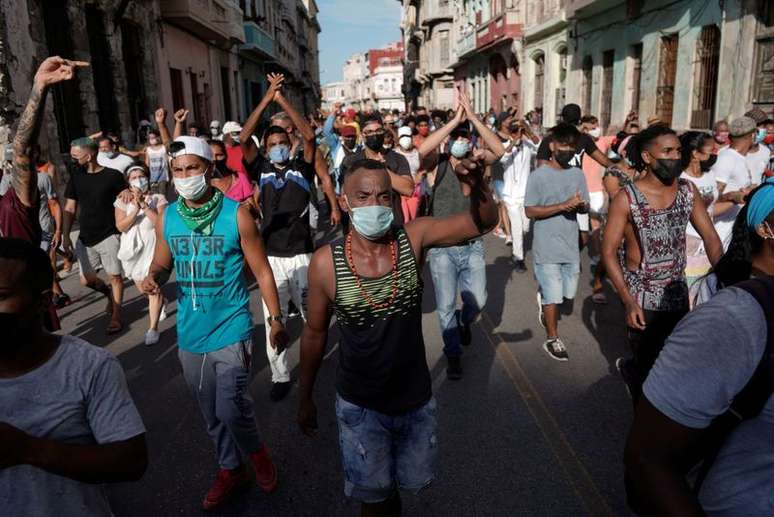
751,251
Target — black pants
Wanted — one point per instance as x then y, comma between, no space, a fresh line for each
646,345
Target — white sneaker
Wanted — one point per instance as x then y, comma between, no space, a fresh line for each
152,337
163,314
508,241
541,316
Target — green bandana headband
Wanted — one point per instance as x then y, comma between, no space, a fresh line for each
202,218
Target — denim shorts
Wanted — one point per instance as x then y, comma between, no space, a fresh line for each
557,281
381,452
499,187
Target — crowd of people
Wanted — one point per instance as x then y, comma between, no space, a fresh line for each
682,226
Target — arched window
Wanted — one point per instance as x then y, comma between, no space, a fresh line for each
540,74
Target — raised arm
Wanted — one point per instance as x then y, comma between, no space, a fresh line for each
494,147
180,116
51,71
436,138
250,152
302,125
315,335
161,121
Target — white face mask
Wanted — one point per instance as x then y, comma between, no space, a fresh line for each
140,184
405,142
191,188
595,133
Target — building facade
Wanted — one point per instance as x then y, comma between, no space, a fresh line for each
356,78
117,90
687,64
387,85
334,93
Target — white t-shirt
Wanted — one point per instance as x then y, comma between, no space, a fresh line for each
707,186
758,162
733,170
517,164
412,157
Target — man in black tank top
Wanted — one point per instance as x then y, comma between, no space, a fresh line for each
372,279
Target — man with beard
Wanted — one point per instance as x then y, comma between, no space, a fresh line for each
651,215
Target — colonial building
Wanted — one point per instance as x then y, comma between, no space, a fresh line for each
115,93
198,64
355,74
334,93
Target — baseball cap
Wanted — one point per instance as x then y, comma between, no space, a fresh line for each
741,126
194,145
120,162
571,114
347,131
405,131
231,127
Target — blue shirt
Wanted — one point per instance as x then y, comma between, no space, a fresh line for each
213,304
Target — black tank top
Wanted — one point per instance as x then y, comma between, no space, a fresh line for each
382,364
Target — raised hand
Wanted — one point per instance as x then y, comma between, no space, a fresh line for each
276,82
160,116
55,69
181,115
465,103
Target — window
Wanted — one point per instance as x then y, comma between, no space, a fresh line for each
178,99
444,35
705,77
665,92
636,55
588,76
226,91
608,58
540,72
197,109
763,80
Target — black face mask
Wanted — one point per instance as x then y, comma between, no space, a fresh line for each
220,170
349,143
16,329
707,164
667,170
375,142
564,158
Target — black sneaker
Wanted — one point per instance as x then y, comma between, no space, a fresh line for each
519,266
466,336
556,349
293,311
279,390
620,365
454,369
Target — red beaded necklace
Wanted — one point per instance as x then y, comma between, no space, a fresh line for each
368,299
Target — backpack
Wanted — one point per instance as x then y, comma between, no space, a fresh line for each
751,400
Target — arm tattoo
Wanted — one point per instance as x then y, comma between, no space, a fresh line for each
23,178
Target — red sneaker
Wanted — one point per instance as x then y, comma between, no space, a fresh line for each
226,485
265,471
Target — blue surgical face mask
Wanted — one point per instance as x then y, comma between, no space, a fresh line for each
760,135
372,221
279,154
460,148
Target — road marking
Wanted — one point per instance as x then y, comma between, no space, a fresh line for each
580,479
165,353
330,352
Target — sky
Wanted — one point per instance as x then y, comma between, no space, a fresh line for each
350,26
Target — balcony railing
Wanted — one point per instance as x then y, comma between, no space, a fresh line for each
258,41
466,43
211,20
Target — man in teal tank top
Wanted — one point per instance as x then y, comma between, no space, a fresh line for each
209,238
372,280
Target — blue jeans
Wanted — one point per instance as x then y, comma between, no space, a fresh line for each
381,452
557,282
456,268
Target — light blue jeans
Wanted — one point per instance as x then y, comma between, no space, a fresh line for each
458,269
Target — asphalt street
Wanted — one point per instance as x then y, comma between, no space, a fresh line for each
520,434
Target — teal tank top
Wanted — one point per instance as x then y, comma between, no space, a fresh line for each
213,304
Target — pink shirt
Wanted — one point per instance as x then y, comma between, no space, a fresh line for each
592,169
242,188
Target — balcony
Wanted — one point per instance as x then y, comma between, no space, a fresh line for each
503,28
466,43
257,41
434,13
219,21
